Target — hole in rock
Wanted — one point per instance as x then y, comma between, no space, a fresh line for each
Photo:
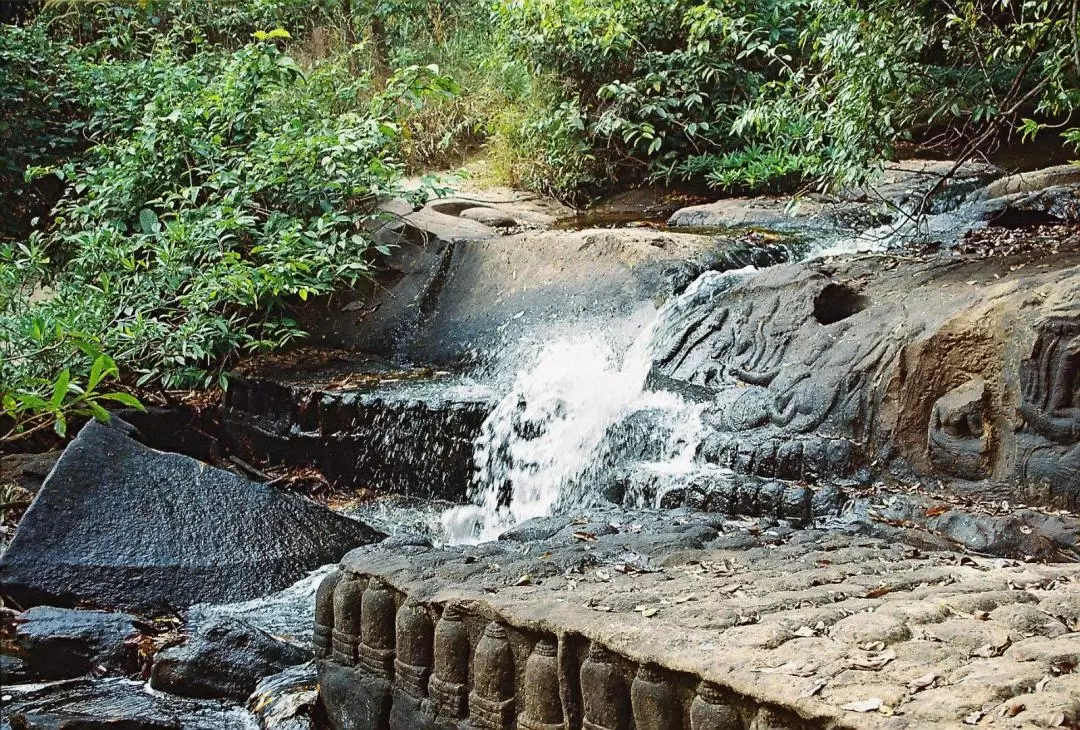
836,302
454,207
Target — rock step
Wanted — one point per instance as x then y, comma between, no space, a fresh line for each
399,437
825,630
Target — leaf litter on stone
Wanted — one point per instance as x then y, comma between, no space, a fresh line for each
922,682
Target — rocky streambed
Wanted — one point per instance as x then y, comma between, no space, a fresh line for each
761,466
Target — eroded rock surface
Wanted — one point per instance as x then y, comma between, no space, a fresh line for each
57,643
118,524
686,621
902,186
113,704
223,658
872,367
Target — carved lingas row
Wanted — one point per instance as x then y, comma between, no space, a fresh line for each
362,622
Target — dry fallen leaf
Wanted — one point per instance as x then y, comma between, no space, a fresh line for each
525,580
804,631
812,688
974,717
1012,710
863,705
650,612
793,668
922,682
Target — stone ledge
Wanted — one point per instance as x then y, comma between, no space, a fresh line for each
786,635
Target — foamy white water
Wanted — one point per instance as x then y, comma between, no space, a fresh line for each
560,431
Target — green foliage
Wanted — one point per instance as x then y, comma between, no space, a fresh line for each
653,83
212,185
43,403
38,103
878,72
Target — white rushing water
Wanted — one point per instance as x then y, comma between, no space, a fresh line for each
562,430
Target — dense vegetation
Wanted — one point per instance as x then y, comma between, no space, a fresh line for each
175,173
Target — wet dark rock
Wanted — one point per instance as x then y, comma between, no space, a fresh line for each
77,721
223,658
403,432
12,670
286,701
118,524
285,614
107,704
56,643
27,470
538,528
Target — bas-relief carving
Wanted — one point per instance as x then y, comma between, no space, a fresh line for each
959,435
1048,441
473,680
784,385
792,397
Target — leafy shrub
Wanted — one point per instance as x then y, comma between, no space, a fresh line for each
653,83
184,234
39,102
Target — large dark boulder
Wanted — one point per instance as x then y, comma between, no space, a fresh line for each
226,657
57,643
121,525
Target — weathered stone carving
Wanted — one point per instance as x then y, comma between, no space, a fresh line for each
604,693
491,703
414,649
654,700
826,372
542,708
1050,407
448,685
710,710
959,436
323,630
348,606
768,718
375,654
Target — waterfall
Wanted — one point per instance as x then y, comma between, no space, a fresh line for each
571,417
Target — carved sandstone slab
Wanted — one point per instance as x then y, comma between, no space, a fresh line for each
875,367
811,629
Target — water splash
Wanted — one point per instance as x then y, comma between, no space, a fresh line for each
572,418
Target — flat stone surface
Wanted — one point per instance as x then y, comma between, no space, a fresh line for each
821,623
